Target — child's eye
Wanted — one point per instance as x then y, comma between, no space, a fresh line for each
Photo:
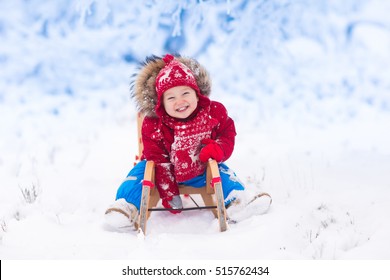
170,98
185,93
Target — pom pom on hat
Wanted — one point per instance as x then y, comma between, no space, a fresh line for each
168,58
174,74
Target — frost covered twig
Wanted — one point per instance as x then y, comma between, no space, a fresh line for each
30,194
3,226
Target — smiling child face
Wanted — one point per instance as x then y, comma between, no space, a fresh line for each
180,102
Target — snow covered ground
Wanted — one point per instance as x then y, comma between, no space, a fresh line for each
311,108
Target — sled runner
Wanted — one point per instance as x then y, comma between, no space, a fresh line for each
211,193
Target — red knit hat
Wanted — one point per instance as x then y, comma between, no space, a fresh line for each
174,74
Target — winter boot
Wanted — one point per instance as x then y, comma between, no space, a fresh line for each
121,216
243,208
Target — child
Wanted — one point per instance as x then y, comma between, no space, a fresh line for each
181,131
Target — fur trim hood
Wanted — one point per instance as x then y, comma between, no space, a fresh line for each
143,84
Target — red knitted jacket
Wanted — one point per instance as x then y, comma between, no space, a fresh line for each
174,144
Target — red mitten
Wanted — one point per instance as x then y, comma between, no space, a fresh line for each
174,203
211,150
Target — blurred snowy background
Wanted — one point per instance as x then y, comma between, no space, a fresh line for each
307,83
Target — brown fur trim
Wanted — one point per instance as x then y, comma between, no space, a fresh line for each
143,89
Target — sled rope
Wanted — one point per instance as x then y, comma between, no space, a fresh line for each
193,200
215,180
148,183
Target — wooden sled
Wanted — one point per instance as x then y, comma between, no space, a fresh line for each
211,193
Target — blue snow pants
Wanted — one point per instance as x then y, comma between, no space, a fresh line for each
131,187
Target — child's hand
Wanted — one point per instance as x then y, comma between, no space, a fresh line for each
211,150
173,202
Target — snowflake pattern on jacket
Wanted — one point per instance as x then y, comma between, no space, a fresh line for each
174,144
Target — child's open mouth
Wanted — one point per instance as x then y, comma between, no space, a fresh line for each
181,109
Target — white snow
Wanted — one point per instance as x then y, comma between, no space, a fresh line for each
309,93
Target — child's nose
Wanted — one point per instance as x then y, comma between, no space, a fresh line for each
181,99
